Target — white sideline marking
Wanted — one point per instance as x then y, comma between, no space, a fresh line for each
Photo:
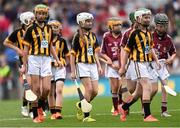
98,114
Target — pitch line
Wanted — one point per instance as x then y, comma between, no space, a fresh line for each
68,116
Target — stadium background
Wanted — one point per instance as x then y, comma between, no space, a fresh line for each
66,11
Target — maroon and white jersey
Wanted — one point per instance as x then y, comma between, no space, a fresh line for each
163,46
110,46
125,37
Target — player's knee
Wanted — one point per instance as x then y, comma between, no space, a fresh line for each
59,91
95,92
51,93
89,90
131,90
36,91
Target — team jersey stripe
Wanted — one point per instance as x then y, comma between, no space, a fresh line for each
61,49
83,47
139,46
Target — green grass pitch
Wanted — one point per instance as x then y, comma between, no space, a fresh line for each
10,114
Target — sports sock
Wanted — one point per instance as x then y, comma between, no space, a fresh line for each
120,99
52,109
58,109
164,107
35,113
25,102
147,110
115,100
41,103
127,105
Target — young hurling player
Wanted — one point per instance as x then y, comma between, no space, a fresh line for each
15,41
84,61
58,74
39,38
110,51
166,53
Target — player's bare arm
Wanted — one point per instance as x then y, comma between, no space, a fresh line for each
55,56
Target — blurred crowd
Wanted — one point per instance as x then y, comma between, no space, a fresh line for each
66,11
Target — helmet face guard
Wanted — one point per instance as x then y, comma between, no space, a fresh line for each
56,26
161,20
27,18
114,21
140,14
41,12
85,20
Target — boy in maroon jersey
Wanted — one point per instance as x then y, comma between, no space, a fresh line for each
166,53
110,51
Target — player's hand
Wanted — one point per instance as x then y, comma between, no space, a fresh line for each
22,70
158,65
73,75
115,66
100,71
20,52
60,64
168,61
109,61
122,71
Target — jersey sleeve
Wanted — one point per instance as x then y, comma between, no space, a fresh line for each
130,42
96,44
75,44
12,38
103,47
66,50
172,49
124,39
28,37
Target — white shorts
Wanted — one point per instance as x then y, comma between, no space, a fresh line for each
87,70
39,65
139,70
163,72
58,73
110,72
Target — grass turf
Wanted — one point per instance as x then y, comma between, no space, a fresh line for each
10,115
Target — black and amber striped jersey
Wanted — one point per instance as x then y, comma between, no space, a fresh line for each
16,38
84,49
139,46
39,39
61,49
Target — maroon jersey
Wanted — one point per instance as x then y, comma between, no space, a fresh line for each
110,46
125,37
163,46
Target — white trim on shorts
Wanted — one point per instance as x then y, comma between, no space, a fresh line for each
58,73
